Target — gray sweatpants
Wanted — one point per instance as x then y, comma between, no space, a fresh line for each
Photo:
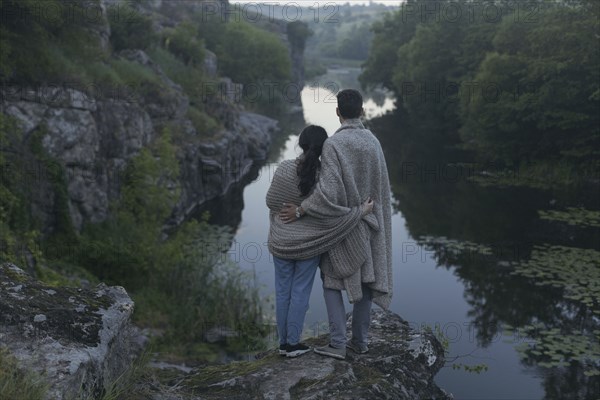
361,317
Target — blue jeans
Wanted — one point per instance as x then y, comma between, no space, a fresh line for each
293,284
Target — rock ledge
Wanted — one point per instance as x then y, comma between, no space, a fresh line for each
401,364
78,339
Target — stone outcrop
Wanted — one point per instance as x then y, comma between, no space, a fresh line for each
94,132
400,364
210,169
93,139
78,339
81,340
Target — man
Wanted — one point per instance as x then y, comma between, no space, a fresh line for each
353,169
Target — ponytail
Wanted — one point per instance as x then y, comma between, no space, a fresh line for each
311,141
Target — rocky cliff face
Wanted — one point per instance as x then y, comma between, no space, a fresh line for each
79,339
94,138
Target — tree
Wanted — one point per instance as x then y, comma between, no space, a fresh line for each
547,83
184,43
248,54
129,29
389,35
298,32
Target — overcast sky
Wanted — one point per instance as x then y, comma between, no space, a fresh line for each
308,3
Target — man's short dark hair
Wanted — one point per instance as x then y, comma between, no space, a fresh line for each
350,103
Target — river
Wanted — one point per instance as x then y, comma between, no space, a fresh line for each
455,245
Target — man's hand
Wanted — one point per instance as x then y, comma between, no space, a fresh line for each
288,213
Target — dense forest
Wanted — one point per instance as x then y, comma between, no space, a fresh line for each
515,83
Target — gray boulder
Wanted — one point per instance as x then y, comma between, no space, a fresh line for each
78,339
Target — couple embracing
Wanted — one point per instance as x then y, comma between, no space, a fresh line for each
331,208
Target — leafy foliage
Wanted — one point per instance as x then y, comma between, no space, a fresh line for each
185,282
248,54
390,34
126,249
195,83
547,75
129,28
515,91
183,41
21,165
44,42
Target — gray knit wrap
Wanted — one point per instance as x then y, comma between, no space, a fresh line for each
355,249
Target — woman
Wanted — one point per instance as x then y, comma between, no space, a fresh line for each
297,247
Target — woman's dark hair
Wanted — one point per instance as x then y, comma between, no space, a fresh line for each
311,141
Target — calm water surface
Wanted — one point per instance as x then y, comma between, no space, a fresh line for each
468,293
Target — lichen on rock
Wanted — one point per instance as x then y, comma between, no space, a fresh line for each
78,339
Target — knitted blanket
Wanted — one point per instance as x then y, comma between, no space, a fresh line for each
354,168
345,236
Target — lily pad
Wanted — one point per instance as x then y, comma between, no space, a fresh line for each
577,216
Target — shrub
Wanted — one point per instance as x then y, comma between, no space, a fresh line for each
184,282
248,54
190,78
184,43
42,50
204,123
141,80
129,28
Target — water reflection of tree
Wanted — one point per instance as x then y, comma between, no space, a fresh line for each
504,219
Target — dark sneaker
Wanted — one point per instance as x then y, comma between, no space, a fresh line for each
282,349
331,351
296,350
358,349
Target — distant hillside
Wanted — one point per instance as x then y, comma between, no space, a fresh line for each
340,34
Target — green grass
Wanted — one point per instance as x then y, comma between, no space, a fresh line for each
189,77
214,374
61,273
138,76
18,384
205,125
130,384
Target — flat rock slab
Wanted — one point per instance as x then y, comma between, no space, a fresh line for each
77,339
401,364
